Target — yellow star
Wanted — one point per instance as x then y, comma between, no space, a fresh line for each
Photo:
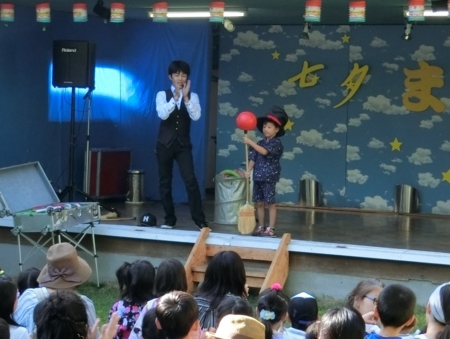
275,55
345,38
288,126
396,145
315,78
446,176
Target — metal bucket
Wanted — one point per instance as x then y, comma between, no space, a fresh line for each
310,193
406,199
135,193
229,198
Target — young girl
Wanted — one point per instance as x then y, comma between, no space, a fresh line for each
341,323
265,163
28,279
224,277
170,276
438,314
272,310
9,297
136,281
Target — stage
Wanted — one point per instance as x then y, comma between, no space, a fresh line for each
330,249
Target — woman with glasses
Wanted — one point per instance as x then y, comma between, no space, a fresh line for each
363,299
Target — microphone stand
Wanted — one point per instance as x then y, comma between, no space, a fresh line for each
71,188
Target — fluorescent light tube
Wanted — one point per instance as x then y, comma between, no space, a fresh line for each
200,14
431,13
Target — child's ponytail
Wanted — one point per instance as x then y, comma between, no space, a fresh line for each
272,307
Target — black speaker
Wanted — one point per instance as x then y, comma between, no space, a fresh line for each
73,63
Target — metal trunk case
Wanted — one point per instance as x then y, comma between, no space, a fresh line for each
27,195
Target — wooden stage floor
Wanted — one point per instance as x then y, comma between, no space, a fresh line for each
389,230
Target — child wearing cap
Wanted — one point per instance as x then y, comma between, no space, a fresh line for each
303,311
265,162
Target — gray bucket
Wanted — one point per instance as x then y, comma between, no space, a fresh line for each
310,194
229,198
406,199
135,193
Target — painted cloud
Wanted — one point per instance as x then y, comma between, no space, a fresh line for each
382,104
251,40
420,156
314,139
427,180
376,203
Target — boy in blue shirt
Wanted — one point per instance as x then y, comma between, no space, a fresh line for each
265,163
395,309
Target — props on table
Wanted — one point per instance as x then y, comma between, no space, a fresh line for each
246,121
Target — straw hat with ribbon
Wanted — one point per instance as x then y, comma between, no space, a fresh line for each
235,326
64,269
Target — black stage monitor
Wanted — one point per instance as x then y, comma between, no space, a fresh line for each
73,63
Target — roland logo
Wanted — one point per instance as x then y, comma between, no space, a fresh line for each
68,50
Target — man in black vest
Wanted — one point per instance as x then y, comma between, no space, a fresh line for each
176,107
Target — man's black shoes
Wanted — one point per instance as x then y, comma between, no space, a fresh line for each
203,225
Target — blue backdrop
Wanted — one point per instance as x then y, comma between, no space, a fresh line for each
131,66
349,149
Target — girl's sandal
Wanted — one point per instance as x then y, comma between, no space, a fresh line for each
259,231
269,232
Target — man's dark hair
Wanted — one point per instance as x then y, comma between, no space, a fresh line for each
179,66
176,312
396,304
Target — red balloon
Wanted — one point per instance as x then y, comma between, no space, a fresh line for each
246,121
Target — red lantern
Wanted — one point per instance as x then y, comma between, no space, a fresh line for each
246,121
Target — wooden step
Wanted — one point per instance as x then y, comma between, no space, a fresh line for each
276,262
255,276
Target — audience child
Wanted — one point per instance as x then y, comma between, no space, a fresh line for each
272,310
363,298
224,277
233,305
177,315
63,315
303,311
136,282
341,323
312,332
438,314
8,303
234,326
170,276
28,279
4,329
395,309
149,328
64,270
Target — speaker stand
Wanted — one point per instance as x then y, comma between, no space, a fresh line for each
70,189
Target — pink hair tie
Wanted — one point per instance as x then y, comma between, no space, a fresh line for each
276,287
